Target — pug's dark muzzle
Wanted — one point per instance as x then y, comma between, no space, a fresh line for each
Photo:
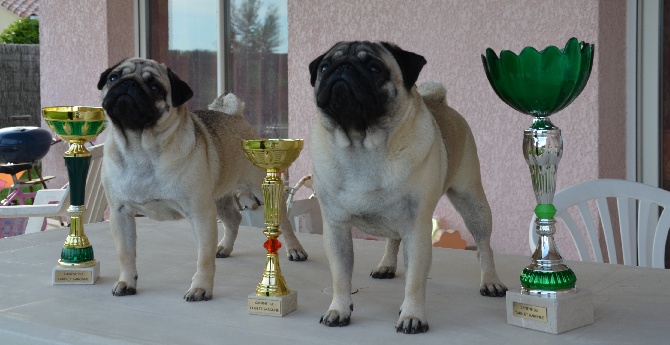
129,106
351,97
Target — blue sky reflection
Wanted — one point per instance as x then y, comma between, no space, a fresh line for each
193,24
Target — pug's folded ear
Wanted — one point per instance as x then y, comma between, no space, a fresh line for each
180,91
410,63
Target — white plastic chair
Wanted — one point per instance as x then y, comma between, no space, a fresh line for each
47,203
644,220
54,202
95,198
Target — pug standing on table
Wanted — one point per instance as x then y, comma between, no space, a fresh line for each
384,152
166,162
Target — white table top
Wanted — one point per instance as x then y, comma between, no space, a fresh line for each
631,304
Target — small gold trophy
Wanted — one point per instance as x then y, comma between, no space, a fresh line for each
272,296
76,125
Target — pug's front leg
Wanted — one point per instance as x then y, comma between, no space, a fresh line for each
122,226
204,228
417,250
340,251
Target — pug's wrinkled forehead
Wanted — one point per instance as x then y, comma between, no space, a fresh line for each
359,49
409,63
144,69
151,76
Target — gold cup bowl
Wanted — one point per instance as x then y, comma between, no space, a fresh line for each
272,154
75,123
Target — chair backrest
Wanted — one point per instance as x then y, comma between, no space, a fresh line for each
643,215
47,203
305,216
95,199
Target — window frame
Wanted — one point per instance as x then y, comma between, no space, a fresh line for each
143,36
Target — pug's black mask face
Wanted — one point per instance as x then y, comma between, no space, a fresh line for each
136,98
350,91
355,86
129,106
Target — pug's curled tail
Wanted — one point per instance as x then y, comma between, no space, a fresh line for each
433,92
228,103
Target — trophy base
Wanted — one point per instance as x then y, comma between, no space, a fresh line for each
273,305
75,275
558,314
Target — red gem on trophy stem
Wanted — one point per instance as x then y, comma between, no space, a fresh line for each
272,245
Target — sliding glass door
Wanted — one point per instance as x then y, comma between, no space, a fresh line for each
215,46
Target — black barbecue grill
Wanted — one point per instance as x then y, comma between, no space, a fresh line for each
21,148
23,144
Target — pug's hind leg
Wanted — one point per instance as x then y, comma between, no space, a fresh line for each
386,268
294,249
122,225
476,213
227,212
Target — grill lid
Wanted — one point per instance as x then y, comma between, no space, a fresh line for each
23,144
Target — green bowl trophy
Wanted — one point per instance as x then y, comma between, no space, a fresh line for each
541,84
272,296
76,125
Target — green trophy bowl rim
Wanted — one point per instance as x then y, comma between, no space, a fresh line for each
530,49
575,62
59,109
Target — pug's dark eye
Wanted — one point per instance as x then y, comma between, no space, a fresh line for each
374,68
113,77
154,87
324,67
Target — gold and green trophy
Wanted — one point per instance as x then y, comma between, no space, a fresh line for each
272,296
541,84
76,125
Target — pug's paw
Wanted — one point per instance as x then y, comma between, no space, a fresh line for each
411,325
121,288
222,252
412,318
297,254
333,318
383,272
493,289
197,294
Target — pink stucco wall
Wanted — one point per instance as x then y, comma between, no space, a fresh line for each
78,41
452,34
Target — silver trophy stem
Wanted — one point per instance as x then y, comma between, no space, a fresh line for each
543,148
